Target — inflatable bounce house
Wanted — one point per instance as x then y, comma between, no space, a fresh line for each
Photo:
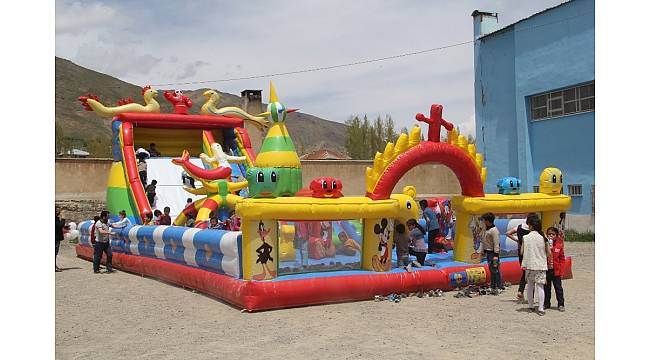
297,245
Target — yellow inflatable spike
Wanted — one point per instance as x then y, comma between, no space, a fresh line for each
273,97
452,136
483,175
462,142
388,152
370,183
401,144
414,137
479,160
471,150
378,163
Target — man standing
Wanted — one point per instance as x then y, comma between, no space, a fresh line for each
432,226
58,235
102,244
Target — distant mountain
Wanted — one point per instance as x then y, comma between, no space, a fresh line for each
78,128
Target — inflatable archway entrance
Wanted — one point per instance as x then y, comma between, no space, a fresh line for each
458,160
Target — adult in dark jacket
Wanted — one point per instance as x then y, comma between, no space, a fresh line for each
58,234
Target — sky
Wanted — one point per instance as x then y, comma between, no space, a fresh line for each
163,42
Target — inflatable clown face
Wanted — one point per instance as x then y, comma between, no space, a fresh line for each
550,181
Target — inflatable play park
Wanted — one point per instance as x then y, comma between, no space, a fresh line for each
301,241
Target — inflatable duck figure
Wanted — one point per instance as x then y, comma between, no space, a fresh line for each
550,181
210,107
91,103
276,171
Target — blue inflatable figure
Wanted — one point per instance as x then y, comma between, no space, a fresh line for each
509,185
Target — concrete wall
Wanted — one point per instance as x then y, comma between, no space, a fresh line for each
87,178
81,178
549,51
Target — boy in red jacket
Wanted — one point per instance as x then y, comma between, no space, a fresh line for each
555,269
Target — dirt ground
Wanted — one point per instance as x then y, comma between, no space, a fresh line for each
126,316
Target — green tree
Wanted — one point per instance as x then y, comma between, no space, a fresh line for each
99,147
353,144
366,151
391,135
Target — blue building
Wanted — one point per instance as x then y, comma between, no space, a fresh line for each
534,100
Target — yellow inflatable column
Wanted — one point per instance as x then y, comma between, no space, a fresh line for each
550,218
260,249
377,244
468,227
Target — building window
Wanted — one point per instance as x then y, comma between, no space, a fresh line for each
535,188
575,189
563,102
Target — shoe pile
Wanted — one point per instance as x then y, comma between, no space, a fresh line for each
466,292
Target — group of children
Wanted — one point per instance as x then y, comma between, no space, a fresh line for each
414,243
158,218
541,256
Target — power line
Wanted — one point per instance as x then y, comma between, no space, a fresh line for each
320,68
362,62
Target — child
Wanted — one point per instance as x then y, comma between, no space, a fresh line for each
490,247
157,214
190,220
151,192
536,252
214,223
165,219
123,222
520,231
555,269
142,170
416,234
148,219
402,244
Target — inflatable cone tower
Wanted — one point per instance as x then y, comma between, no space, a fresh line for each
276,170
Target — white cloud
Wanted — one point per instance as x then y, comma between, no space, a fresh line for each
240,39
116,59
77,17
191,69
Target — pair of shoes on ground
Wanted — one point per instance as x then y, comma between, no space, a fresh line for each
416,264
540,313
104,272
408,268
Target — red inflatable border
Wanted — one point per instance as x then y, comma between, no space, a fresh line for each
267,295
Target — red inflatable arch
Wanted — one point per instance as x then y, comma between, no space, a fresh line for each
457,160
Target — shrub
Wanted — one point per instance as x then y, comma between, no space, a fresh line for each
572,235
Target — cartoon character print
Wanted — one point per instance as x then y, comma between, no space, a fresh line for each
382,230
264,253
477,234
